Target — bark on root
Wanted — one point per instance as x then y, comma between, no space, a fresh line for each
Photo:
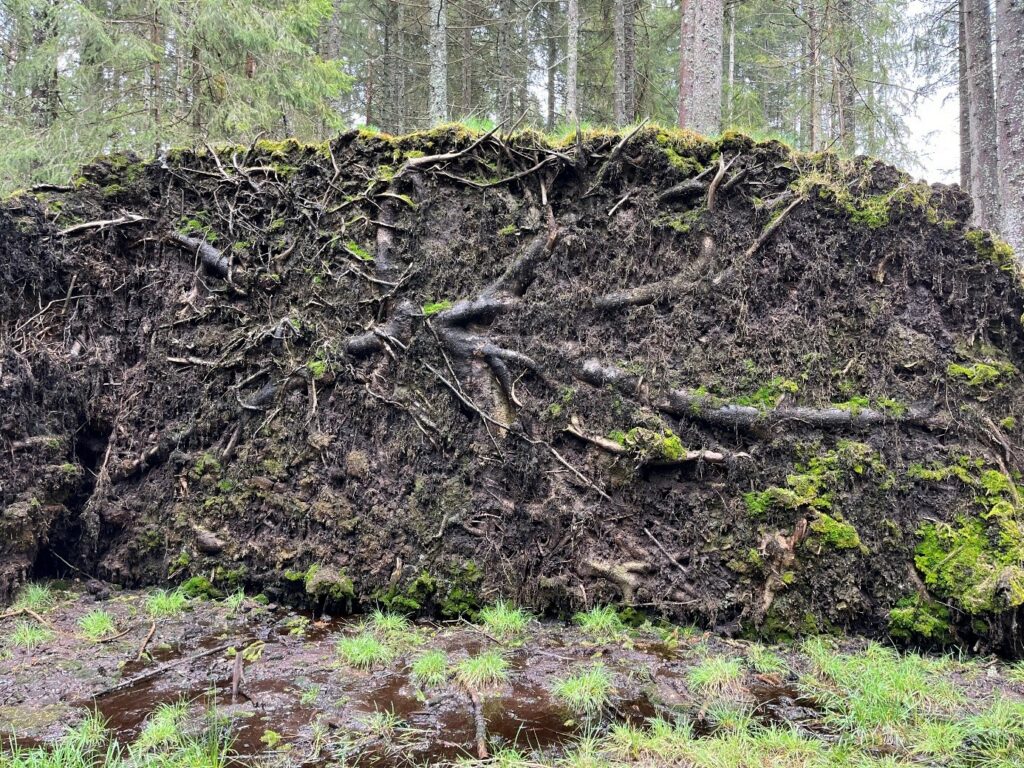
710,410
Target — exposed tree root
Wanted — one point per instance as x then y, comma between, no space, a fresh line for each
710,410
623,575
214,261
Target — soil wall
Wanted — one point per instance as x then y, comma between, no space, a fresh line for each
707,379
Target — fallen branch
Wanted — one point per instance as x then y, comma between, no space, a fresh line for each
145,641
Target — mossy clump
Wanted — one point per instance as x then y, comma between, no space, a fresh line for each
649,445
433,307
919,618
768,395
993,248
977,561
206,464
327,583
981,374
200,587
843,188
462,596
834,532
412,598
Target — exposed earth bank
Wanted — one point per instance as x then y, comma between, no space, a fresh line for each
712,380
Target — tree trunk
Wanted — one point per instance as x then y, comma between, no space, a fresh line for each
572,63
844,68
964,96
629,60
700,65
982,114
814,87
619,62
731,68
1010,131
438,21
551,62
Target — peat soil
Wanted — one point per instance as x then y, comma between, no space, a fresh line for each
709,380
297,702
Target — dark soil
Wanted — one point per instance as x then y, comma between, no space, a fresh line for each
352,374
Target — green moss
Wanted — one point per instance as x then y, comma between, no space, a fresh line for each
976,565
329,584
891,406
919,618
461,596
991,247
835,532
412,598
842,189
433,307
768,395
1009,423
317,368
358,251
200,586
648,445
206,464
981,374
854,405
508,231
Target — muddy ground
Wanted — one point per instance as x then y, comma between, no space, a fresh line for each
705,380
297,701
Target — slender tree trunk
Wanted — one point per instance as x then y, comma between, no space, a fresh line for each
1010,49
572,63
844,68
438,21
619,62
731,68
700,65
629,60
551,61
505,81
982,114
814,87
467,67
965,99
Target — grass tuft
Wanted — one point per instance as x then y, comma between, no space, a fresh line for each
35,597
482,671
504,621
765,661
430,668
364,650
29,635
587,692
163,603
601,623
97,625
716,674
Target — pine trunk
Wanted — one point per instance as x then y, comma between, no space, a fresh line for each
964,96
438,21
1010,129
700,65
982,114
572,64
619,62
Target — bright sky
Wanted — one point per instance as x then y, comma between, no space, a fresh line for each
935,136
